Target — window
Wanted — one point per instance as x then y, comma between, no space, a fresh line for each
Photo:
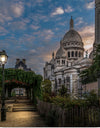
79,54
58,61
76,53
59,81
64,81
68,54
68,83
63,62
72,54
68,79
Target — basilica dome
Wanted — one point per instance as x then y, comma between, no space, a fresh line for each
72,43
60,53
72,36
72,39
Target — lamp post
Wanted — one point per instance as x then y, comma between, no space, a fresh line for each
3,60
98,83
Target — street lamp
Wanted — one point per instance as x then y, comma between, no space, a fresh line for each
3,60
98,72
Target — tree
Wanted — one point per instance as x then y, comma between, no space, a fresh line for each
46,84
92,98
63,91
46,90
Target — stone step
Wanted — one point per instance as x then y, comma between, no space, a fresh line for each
15,109
22,105
23,101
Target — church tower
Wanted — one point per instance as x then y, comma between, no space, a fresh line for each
97,22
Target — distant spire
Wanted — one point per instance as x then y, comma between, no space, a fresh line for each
61,43
71,23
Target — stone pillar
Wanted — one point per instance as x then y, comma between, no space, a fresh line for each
99,84
31,93
97,21
6,92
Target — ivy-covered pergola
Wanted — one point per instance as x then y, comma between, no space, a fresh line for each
23,79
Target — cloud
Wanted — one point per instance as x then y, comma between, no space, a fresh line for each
32,51
17,9
17,25
35,27
4,18
87,34
3,31
45,34
48,34
79,21
58,11
90,5
69,9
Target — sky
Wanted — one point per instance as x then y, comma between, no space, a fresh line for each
32,29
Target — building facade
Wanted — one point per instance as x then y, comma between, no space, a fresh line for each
64,67
21,64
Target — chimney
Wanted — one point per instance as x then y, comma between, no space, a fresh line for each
17,61
24,61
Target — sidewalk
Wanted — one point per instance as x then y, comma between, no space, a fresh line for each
23,119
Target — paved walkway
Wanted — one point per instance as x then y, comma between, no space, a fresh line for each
23,119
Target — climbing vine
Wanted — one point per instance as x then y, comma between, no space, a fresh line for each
20,77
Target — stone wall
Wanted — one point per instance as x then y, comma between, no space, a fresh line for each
91,86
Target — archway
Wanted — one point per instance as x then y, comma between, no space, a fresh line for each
15,86
17,78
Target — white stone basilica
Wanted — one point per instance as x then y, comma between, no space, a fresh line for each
64,67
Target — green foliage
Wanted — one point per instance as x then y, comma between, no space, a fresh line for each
46,90
92,98
63,91
60,101
46,84
90,75
67,102
26,77
37,91
18,77
13,94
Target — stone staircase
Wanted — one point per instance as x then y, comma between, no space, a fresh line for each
21,105
23,108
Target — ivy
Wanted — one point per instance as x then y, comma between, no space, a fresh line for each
18,77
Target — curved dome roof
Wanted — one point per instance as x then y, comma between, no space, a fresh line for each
60,53
71,36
